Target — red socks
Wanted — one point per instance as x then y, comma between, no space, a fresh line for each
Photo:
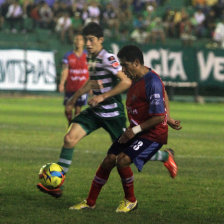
99,180
127,179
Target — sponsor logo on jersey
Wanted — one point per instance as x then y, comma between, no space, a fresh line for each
78,71
74,78
115,64
155,96
155,99
132,110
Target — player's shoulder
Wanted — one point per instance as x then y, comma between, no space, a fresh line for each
110,59
152,78
67,54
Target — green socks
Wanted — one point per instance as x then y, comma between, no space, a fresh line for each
160,156
65,159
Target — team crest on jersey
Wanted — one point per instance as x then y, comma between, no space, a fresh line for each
111,58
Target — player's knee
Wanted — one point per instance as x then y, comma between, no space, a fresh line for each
69,140
109,161
123,160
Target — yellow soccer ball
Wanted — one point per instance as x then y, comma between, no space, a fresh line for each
51,175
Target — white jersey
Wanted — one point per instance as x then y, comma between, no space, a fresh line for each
105,67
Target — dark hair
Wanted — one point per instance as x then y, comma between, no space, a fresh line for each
93,29
130,53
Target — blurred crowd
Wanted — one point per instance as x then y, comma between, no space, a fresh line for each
124,20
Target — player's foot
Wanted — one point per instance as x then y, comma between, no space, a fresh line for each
170,164
53,192
127,206
82,205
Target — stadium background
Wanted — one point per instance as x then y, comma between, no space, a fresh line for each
42,38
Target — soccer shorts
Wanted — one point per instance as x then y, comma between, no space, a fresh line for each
82,100
139,150
91,122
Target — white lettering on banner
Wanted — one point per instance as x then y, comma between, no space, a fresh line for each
213,63
164,57
169,64
27,70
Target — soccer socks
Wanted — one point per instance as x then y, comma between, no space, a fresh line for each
160,156
99,180
65,159
127,179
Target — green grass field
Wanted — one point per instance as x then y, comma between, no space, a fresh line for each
31,134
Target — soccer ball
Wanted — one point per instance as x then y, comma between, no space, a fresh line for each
51,175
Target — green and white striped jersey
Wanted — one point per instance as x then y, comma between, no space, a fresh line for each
105,67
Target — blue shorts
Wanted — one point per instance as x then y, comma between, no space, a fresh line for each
139,150
82,100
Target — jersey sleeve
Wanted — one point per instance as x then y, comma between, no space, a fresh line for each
65,58
155,95
112,64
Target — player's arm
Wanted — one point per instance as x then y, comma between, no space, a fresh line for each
145,126
123,85
64,76
175,124
84,89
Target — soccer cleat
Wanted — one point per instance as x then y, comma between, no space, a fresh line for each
170,164
127,206
82,205
57,192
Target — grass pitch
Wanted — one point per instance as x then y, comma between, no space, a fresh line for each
31,134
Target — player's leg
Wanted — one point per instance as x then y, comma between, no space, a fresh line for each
75,133
81,125
68,115
138,151
73,136
129,202
101,177
167,157
77,110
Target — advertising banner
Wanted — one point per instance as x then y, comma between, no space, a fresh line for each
203,66
30,70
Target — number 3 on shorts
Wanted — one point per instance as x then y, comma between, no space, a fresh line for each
138,145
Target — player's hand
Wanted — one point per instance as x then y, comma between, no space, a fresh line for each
61,88
96,84
126,136
175,124
95,100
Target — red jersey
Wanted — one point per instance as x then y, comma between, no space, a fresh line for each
146,98
78,71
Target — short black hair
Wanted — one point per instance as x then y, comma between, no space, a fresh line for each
130,53
94,29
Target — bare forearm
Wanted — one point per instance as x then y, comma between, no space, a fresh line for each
167,105
119,88
151,122
85,89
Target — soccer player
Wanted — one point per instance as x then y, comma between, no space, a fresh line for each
106,110
74,75
147,133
